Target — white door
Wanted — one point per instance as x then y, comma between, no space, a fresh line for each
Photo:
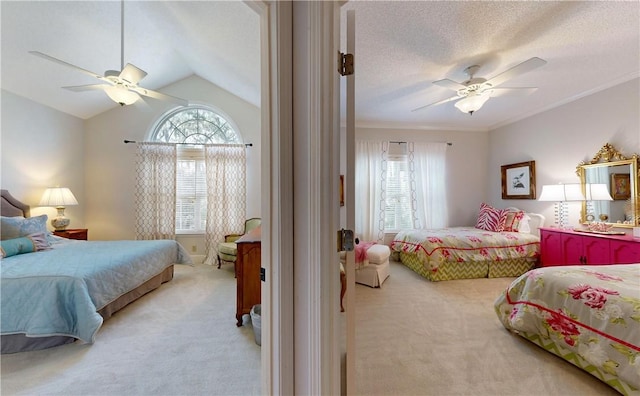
349,188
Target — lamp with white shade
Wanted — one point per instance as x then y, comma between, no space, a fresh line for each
60,197
561,194
595,192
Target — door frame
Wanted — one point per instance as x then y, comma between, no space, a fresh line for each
276,189
300,210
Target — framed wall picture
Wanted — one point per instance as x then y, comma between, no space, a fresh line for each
620,186
519,180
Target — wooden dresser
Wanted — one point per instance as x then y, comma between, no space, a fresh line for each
248,273
567,247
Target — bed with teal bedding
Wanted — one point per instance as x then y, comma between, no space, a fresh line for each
63,292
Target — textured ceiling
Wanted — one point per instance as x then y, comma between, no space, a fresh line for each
401,48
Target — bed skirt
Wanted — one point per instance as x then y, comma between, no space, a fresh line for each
550,346
13,343
451,270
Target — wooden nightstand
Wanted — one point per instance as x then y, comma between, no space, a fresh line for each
73,233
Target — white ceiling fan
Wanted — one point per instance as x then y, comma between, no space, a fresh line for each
474,92
121,86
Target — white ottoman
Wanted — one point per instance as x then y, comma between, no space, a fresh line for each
377,270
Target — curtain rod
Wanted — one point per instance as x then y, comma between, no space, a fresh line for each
448,143
198,144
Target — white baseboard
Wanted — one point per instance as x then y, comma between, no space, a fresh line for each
197,258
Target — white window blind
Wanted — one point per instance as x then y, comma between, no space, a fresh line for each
191,195
398,214
192,126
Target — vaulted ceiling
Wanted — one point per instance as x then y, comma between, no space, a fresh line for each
401,48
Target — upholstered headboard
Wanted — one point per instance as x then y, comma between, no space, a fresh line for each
11,207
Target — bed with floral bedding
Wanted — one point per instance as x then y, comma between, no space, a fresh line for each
503,243
587,315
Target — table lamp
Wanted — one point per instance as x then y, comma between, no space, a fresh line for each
561,194
58,197
595,192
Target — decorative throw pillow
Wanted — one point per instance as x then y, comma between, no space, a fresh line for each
512,222
524,226
12,247
491,219
30,243
16,227
40,240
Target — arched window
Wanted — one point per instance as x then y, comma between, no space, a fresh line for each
193,126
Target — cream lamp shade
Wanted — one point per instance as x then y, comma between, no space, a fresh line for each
561,194
597,192
59,197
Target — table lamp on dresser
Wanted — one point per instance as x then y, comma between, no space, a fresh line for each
561,194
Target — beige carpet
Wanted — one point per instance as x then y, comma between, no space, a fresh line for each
181,339
414,337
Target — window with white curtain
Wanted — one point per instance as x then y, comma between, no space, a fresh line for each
398,214
399,185
193,126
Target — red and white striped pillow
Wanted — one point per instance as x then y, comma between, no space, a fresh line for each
512,222
491,219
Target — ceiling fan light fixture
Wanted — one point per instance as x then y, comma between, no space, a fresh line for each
121,95
473,102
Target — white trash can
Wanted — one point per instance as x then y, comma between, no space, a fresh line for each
256,323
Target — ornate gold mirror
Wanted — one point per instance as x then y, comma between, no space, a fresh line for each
611,172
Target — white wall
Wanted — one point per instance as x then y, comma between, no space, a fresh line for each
467,161
559,139
110,164
42,147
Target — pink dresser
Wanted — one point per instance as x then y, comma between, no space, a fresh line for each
567,247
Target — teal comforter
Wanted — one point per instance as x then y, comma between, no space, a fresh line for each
59,291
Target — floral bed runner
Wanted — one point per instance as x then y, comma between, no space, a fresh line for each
592,311
461,244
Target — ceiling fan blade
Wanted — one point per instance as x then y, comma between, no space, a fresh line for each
159,96
446,83
528,65
513,91
142,105
92,87
438,103
132,74
61,62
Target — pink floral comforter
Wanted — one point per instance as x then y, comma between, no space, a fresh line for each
466,244
591,311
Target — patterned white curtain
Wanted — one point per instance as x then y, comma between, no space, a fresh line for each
226,194
155,193
370,186
427,162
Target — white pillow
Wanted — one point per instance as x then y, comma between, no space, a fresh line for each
524,224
